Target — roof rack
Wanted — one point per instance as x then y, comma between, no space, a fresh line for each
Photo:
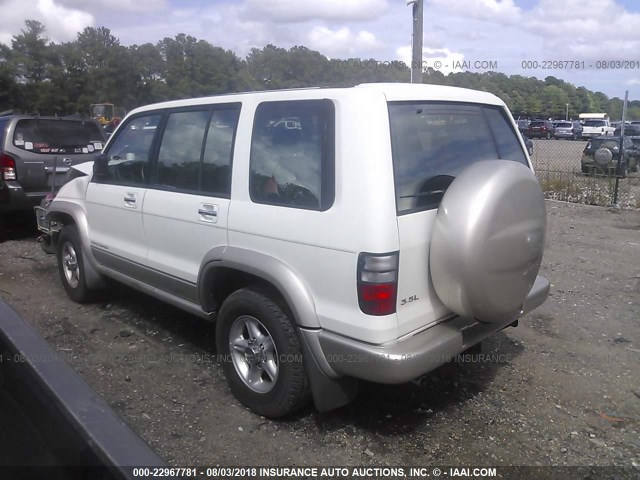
6,113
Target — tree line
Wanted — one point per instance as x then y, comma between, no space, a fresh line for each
40,76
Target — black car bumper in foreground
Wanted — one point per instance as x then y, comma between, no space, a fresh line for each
51,417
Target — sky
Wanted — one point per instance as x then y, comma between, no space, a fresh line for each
474,35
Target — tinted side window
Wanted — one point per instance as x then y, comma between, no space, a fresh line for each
292,154
129,153
181,149
196,149
216,163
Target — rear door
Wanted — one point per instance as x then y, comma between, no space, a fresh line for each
433,142
187,204
44,149
114,203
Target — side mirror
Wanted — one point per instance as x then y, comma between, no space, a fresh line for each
100,167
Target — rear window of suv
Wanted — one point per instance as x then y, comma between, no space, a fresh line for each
594,123
58,136
433,142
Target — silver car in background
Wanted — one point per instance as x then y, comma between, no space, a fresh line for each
568,129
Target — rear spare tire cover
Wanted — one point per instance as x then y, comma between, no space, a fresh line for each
603,156
488,240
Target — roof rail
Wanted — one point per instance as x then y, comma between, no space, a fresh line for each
6,113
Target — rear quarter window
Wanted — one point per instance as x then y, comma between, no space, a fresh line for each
433,142
58,136
292,154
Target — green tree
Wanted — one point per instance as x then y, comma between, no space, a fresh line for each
8,83
29,52
554,101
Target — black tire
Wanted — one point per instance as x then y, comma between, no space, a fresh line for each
268,397
585,169
69,255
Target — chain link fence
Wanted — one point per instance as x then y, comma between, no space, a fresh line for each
558,168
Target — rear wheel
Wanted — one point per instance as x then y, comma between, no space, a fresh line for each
261,354
71,265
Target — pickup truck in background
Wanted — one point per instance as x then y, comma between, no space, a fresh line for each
596,127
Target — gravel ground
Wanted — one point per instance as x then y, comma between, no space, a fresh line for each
560,389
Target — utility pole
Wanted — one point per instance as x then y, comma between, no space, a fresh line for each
621,148
416,42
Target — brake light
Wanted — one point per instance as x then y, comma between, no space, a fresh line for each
377,283
7,167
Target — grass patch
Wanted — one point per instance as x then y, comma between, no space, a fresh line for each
569,187
589,190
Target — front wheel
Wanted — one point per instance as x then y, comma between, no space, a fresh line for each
71,264
261,354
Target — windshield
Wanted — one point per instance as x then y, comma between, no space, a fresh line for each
58,136
594,123
536,124
564,125
434,142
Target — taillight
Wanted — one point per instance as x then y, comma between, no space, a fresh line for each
377,283
7,167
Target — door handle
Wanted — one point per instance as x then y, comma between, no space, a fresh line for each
208,212
130,200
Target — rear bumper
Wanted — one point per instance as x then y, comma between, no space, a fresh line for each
566,135
539,134
13,198
593,134
404,360
612,165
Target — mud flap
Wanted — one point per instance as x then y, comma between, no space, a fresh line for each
327,393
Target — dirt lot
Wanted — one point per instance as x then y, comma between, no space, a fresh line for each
563,388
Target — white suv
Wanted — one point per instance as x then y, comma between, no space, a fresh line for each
338,234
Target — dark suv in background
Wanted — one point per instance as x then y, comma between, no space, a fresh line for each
540,129
36,152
